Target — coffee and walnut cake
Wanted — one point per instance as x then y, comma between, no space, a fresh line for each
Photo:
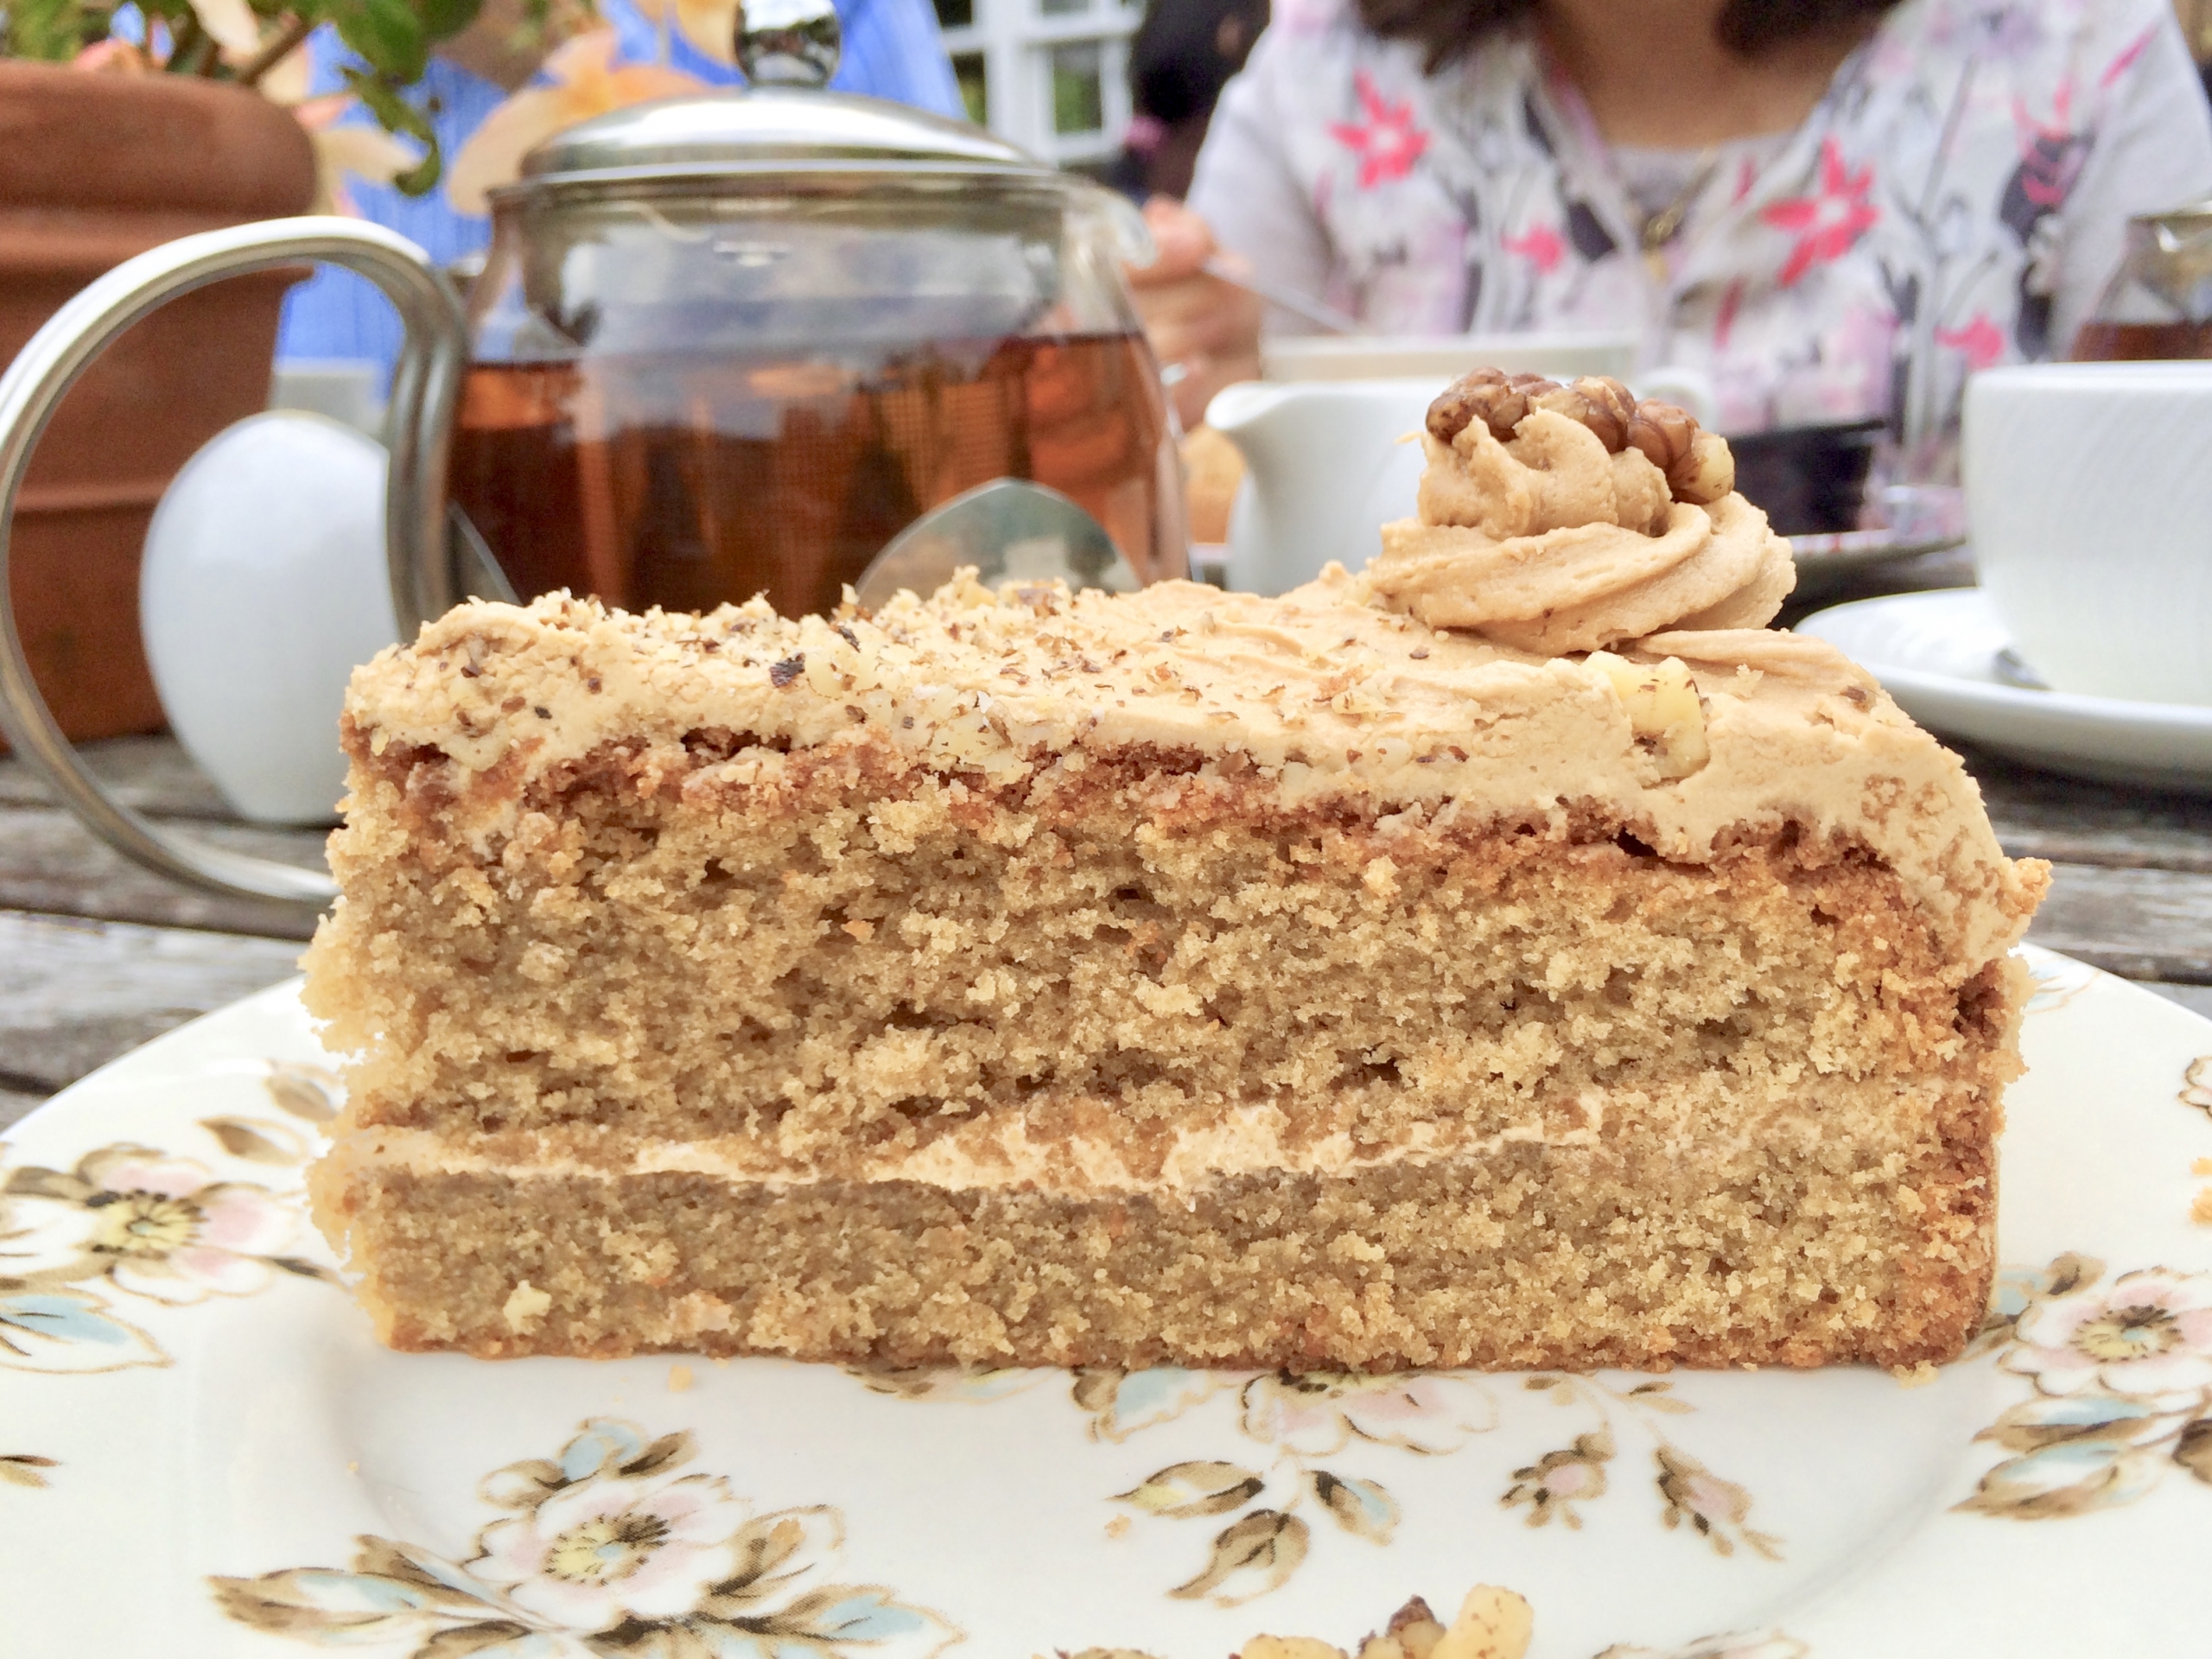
1512,955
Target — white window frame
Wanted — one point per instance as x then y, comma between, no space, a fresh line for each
1015,40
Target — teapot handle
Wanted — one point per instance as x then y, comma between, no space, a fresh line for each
424,389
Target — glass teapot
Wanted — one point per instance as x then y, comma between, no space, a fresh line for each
721,346
2158,304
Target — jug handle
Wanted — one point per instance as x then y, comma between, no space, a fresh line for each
425,387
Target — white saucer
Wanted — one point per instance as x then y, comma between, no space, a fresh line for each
1937,654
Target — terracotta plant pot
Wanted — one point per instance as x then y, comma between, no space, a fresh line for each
94,168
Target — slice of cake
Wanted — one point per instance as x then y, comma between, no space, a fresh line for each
1477,962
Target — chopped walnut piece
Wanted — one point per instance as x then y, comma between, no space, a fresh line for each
1599,402
1698,466
1706,474
1502,401
1662,432
1493,1624
1663,709
1491,395
1415,1629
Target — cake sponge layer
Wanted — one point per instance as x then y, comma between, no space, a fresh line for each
1531,1257
734,1049
874,976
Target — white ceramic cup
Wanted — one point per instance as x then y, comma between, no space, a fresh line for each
2088,490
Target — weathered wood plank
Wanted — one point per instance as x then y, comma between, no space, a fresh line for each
50,863
2041,815
2150,924
75,993
149,774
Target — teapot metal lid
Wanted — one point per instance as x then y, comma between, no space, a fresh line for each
772,130
783,125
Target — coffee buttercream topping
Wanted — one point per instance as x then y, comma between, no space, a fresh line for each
1565,518
1315,700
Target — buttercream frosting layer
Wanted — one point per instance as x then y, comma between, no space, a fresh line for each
1003,1151
1548,544
1321,696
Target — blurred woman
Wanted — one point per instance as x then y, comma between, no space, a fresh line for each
1838,208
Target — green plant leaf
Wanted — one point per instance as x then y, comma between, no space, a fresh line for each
51,31
379,96
443,19
388,36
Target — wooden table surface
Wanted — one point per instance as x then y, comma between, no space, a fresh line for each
98,955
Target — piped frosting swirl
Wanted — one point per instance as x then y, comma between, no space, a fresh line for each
1568,519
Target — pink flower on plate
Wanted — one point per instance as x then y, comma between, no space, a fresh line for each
1388,142
154,1224
604,1551
1319,1414
2146,1334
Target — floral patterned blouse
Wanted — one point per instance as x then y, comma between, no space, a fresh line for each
1958,199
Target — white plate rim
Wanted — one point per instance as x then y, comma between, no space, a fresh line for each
146,1566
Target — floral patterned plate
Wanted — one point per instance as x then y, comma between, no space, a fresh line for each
203,1453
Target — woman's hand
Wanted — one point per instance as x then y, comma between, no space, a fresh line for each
1197,324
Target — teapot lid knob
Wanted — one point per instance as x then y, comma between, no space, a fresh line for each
788,43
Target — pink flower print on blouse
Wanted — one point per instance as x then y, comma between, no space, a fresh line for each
1829,224
2126,59
1980,342
1540,245
1388,142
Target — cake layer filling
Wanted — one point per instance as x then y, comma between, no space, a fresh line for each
1535,1255
1145,976
1001,1150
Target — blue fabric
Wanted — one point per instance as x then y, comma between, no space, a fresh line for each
891,50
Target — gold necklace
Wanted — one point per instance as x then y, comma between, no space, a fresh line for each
1662,227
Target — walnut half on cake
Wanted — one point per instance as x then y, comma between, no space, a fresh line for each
1183,977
